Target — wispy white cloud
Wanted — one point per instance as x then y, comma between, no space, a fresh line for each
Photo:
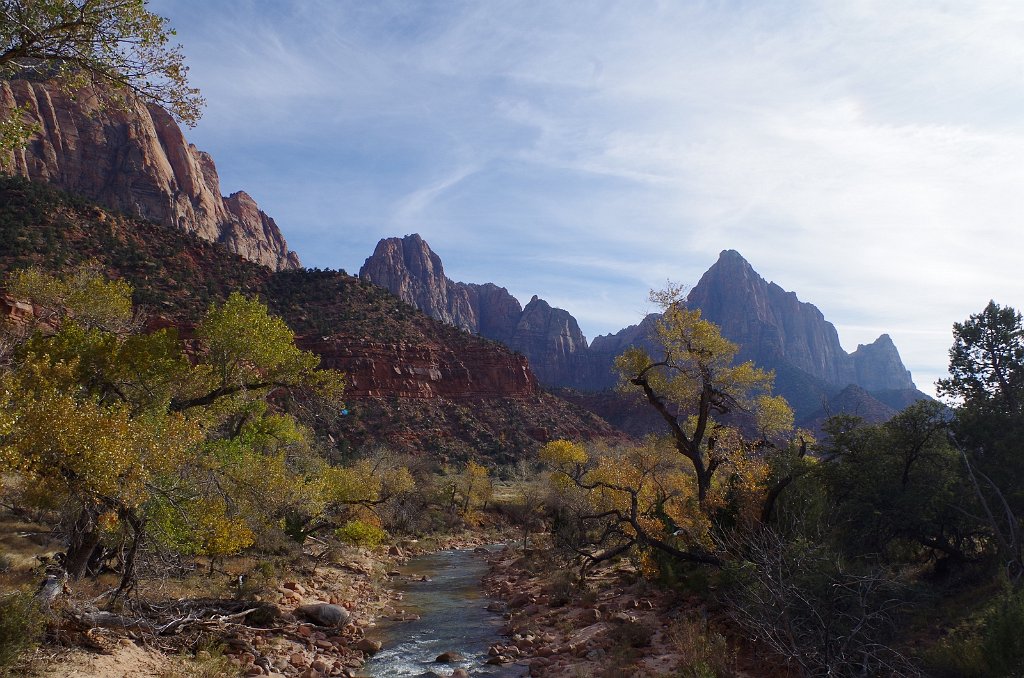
864,154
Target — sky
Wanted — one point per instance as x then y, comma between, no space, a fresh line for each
868,155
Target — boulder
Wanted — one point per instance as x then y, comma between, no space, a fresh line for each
324,614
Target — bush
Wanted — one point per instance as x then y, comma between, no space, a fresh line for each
703,653
21,626
1003,641
989,647
358,533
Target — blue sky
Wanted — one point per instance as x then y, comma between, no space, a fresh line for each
867,155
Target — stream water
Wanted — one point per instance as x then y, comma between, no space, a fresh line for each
453,618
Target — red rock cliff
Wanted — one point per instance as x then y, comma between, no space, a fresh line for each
137,161
422,370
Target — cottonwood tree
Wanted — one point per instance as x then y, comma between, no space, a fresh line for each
130,436
119,46
709,470
693,382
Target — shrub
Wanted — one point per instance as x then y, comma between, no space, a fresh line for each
1002,640
358,533
562,588
990,647
703,653
21,626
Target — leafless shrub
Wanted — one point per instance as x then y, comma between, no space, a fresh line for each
821,616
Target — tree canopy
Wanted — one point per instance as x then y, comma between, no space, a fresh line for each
127,432
117,45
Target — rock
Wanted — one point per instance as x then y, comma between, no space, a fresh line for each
772,327
448,658
295,586
396,552
495,606
369,646
549,337
481,549
264,614
319,665
298,660
460,673
590,616
325,614
520,600
499,659
137,160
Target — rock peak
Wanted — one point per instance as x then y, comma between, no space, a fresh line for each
137,160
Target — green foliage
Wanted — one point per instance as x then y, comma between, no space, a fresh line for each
703,653
21,626
116,44
1002,642
987,358
990,646
897,489
360,533
127,434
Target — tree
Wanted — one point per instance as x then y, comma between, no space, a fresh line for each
986,362
693,384
713,474
609,501
897,489
986,367
116,45
129,436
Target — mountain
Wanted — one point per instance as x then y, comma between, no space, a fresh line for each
772,326
549,337
413,383
135,159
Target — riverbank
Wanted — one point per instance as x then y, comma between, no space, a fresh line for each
619,625
245,625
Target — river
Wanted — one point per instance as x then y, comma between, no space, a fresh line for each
453,618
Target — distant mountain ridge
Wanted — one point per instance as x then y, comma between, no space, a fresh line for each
137,160
773,328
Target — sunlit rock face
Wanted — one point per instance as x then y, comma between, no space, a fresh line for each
549,337
135,159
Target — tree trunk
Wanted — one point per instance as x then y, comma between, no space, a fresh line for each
84,539
138,529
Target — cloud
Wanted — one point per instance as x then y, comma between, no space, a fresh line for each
865,155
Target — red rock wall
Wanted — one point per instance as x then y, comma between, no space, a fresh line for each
376,369
137,161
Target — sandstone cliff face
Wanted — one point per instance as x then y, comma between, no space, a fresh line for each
552,341
550,338
497,311
769,324
773,327
413,273
137,161
406,370
877,366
